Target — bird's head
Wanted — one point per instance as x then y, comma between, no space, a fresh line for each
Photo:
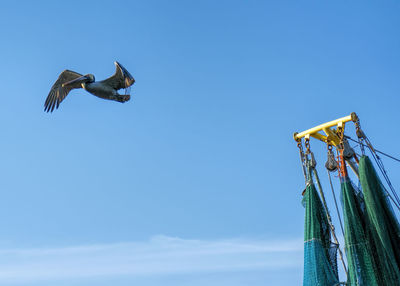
90,78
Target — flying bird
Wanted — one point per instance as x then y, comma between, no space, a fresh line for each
106,89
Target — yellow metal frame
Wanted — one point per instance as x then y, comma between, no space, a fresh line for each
331,135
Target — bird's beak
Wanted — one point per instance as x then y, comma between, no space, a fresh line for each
79,79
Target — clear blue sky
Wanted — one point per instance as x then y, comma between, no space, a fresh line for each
196,180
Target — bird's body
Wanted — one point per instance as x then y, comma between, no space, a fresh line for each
103,91
106,89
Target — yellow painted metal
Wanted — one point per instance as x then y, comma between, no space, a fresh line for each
326,128
319,136
332,137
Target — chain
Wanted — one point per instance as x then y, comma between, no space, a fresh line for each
307,145
302,159
359,132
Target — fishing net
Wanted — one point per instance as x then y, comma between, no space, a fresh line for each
381,225
320,264
361,267
372,232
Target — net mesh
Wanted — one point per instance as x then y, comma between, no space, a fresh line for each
372,232
320,265
361,268
381,226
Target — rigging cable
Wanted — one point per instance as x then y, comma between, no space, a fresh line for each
336,204
311,164
395,198
330,219
377,151
362,137
383,171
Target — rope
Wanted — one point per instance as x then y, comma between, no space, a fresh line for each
308,166
395,198
336,204
381,167
377,151
329,219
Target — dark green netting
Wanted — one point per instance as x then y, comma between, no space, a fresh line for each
381,227
361,267
320,266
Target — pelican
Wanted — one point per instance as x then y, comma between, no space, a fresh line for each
106,89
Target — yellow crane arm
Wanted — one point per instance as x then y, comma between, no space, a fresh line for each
330,134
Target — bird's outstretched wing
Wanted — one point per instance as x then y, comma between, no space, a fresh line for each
120,79
58,92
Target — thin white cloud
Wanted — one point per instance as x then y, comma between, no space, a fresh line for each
160,255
